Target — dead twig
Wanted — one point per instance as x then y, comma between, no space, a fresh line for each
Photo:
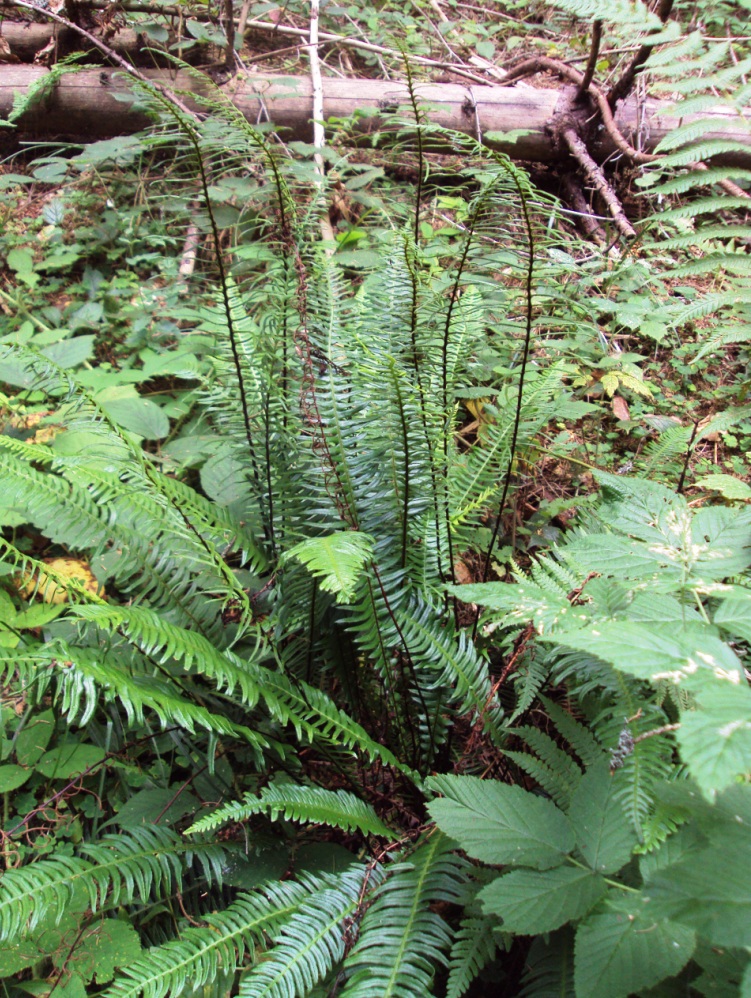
574,196
594,50
597,178
622,87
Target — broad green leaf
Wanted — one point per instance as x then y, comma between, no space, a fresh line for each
604,835
121,150
624,949
728,486
498,823
723,969
37,615
715,739
720,542
151,805
710,891
734,615
534,901
12,777
105,946
70,760
138,415
34,737
651,652
336,560
72,352
224,478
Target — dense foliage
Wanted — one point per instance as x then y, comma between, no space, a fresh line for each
357,635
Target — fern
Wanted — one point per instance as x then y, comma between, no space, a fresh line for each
309,943
309,804
474,947
401,940
204,952
116,870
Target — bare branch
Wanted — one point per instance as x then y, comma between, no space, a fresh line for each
597,178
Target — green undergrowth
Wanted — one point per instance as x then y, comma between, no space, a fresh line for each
374,613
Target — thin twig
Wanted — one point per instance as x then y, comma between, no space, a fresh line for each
656,731
594,50
689,452
622,87
588,221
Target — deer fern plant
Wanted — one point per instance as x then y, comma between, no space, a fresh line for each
276,635
231,693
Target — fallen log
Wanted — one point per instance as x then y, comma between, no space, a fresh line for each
93,104
25,40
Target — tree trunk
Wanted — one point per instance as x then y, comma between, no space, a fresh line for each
89,105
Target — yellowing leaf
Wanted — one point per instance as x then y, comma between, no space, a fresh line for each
51,589
632,383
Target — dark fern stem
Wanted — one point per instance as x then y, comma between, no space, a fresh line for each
528,284
405,445
415,360
687,458
419,121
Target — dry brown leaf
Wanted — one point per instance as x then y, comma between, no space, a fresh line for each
620,408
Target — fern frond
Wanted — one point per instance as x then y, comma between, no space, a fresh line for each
474,947
310,942
115,870
566,771
337,808
201,953
401,939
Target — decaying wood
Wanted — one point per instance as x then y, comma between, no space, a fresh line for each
89,105
596,177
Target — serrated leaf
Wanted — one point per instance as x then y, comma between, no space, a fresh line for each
111,944
715,740
734,615
624,950
648,651
532,901
498,823
710,891
728,486
604,836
